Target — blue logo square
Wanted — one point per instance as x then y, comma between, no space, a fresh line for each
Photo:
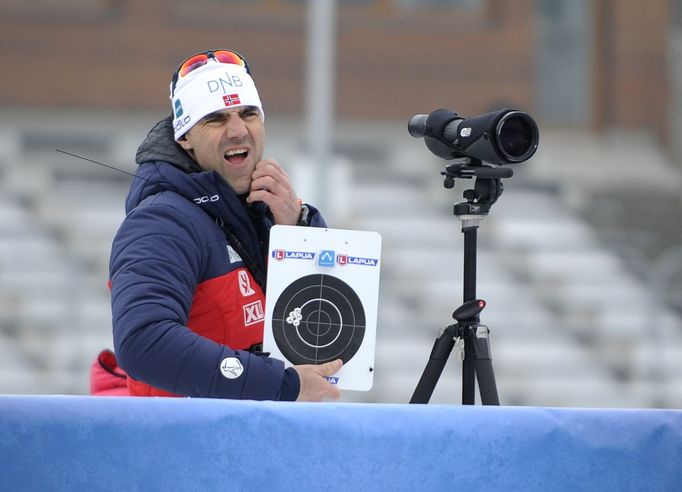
178,109
326,258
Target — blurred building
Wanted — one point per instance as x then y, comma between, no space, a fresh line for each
395,57
578,257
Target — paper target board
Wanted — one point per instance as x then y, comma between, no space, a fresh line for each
321,300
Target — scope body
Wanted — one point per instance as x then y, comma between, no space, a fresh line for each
507,136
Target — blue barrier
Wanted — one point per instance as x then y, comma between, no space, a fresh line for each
128,444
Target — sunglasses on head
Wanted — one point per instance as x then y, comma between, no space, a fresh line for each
200,59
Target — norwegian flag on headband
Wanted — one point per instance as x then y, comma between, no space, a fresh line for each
231,99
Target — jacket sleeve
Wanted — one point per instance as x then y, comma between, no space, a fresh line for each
316,219
154,269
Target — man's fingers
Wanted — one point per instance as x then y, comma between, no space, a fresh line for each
271,185
313,385
270,167
329,368
334,393
267,183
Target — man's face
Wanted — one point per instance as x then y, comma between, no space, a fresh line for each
229,142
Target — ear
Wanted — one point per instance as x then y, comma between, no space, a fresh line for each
185,143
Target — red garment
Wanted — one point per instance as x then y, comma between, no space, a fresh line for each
215,303
106,378
215,300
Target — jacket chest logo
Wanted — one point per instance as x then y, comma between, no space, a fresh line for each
233,255
205,199
245,284
253,313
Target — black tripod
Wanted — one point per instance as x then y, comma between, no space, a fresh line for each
467,335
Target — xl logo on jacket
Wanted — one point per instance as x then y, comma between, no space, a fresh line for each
245,284
253,313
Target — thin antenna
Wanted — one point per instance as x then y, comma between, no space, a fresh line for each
100,163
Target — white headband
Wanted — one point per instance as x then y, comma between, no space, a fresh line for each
208,89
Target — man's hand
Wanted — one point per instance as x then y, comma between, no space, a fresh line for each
314,386
270,184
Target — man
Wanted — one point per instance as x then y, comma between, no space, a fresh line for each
188,264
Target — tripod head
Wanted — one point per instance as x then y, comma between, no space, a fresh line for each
487,185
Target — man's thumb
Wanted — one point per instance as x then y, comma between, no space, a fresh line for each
329,368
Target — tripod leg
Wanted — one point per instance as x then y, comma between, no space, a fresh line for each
468,378
482,364
434,367
486,382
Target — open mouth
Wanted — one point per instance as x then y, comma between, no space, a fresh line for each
236,156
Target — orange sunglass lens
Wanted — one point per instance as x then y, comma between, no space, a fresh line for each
224,56
193,63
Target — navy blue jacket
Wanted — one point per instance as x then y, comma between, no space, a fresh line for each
187,274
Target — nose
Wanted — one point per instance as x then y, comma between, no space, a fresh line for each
235,127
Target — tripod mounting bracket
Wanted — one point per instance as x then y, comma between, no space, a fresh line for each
463,209
475,338
473,168
487,186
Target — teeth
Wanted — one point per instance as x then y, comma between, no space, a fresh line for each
232,152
